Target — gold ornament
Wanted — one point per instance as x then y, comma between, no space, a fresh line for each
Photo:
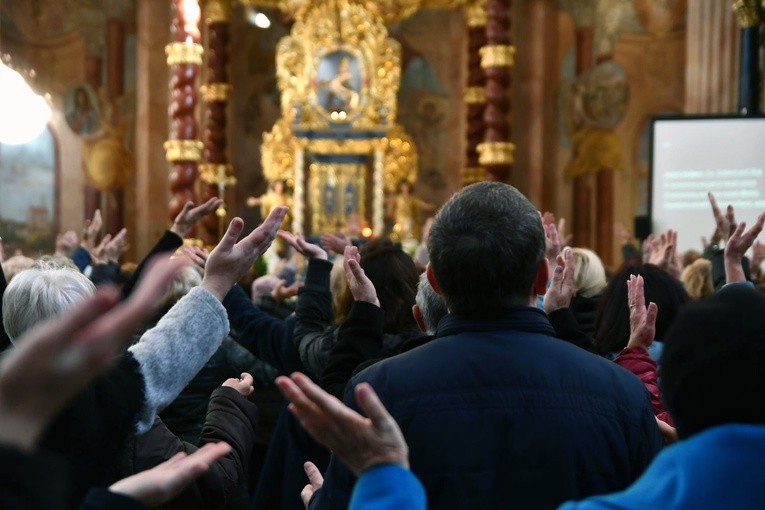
213,92
495,153
473,174
498,55
183,150
184,53
217,11
474,95
748,12
475,14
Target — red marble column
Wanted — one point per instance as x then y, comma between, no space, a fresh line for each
216,171
475,94
93,77
497,60
184,56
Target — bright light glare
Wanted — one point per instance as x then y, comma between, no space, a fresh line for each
23,114
257,18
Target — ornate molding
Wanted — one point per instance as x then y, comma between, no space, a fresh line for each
495,153
475,14
217,11
497,55
184,53
212,92
474,95
748,12
473,174
183,150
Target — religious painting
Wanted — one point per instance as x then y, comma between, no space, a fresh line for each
338,84
82,112
28,198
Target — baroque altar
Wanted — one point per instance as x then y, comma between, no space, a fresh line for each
337,145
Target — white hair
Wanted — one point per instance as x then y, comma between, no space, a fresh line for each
37,294
432,306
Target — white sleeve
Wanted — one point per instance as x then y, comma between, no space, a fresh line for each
170,354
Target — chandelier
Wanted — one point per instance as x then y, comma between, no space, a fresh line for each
24,114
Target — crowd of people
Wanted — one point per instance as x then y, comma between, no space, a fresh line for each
498,366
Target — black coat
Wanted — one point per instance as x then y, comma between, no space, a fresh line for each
500,414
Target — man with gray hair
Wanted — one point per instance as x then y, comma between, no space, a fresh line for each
497,412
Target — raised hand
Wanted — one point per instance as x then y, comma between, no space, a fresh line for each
91,231
335,242
642,319
561,287
281,293
162,483
359,442
189,215
57,359
552,244
663,253
303,247
725,222
244,384
622,233
315,481
66,243
116,247
738,243
361,287
231,260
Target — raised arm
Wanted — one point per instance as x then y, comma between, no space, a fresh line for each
170,354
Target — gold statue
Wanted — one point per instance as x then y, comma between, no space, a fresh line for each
404,209
275,196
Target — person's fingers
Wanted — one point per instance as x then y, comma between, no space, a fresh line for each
205,209
209,453
186,208
557,276
306,494
372,407
737,232
357,271
246,379
713,203
313,474
651,314
756,228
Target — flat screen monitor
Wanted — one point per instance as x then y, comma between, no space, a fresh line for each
691,156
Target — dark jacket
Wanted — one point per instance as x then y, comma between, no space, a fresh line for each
230,418
500,414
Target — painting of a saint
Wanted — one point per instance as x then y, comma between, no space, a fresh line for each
82,111
338,83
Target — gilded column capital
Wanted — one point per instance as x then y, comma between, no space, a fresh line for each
183,150
497,55
217,11
474,95
475,14
495,153
748,12
184,53
212,92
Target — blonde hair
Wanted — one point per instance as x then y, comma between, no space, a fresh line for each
697,278
589,273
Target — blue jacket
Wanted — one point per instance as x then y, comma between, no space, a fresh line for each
723,467
388,487
500,414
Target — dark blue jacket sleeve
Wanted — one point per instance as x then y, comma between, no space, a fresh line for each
388,487
167,243
268,338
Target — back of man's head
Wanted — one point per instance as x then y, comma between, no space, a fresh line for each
713,363
486,244
38,294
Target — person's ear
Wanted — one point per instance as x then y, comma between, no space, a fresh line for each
419,318
432,280
540,281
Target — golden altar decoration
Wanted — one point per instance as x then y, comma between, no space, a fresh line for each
337,145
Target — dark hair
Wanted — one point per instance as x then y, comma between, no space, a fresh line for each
612,318
485,245
394,276
712,368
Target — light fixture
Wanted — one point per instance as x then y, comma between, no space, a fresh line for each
257,18
24,114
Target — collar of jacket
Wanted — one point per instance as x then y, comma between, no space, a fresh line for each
521,318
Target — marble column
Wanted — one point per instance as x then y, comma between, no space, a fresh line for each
216,172
152,101
183,148
474,93
711,74
497,59
582,199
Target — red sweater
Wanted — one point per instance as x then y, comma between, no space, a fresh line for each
637,361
